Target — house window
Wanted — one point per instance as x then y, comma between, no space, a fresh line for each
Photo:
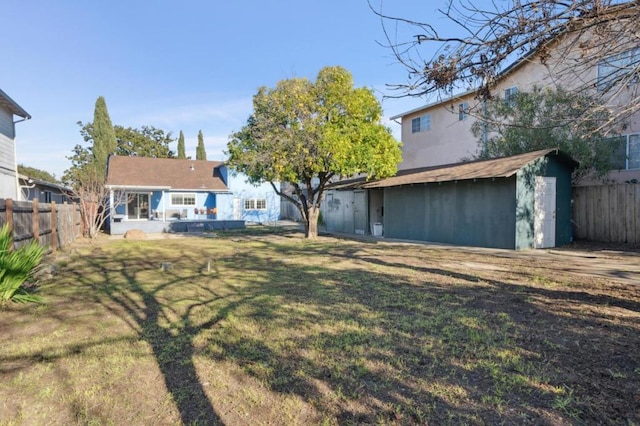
463,111
633,152
137,206
47,196
510,95
255,204
183,199
626,152
617,68
421,124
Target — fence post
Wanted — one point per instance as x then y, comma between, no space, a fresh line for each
35,220
73,221
9,213
77,221
54,227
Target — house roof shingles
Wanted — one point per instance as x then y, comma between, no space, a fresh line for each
486,169
169,173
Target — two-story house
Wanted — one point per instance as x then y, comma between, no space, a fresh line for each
440,132
9,109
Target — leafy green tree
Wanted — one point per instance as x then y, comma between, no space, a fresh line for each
306,133
147,141
35,173
181,152
104,137
87,176
81,158
201,154
547,118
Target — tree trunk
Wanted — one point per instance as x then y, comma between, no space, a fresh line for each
311,226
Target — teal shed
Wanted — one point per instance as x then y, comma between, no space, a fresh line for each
516,202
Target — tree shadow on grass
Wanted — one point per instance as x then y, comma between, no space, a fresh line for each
171,340
502,353
366,345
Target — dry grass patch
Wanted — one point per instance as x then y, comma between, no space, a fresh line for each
269,329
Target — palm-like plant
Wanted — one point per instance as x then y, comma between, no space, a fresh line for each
16,266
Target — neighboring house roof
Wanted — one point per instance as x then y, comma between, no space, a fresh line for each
166,173
43,183
435,103
12,106
485,169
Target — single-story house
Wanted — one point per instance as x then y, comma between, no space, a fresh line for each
516,202
43,191
174,195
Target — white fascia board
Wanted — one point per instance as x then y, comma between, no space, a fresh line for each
432,104
143,187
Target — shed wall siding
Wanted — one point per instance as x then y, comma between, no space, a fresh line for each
468,213
337,211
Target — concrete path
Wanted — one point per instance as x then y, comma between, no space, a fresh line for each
611,265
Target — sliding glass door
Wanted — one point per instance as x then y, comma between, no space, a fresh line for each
138,206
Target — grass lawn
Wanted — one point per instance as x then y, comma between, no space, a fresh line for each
261,328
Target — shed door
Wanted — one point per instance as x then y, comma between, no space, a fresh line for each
544,225
360,212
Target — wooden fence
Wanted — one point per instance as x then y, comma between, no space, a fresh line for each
53,225
607,213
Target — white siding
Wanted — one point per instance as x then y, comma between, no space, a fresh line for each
7,156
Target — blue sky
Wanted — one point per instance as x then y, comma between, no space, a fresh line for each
190,66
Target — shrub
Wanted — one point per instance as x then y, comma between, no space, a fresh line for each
16,266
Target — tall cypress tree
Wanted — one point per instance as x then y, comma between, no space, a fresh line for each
181,154
104,136
201,154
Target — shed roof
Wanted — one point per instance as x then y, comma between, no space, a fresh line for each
485,169
169,173
12,106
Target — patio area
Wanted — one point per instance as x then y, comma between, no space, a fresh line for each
160,226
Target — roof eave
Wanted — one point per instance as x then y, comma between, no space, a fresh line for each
436,103
117,186
13,106
200,189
